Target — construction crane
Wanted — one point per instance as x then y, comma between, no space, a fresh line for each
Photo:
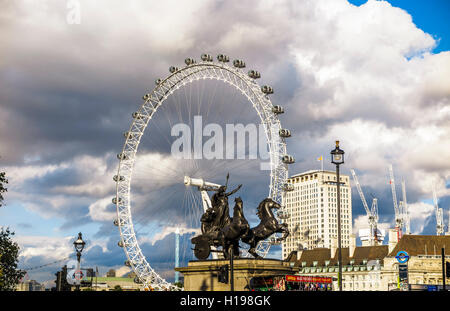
372,213
398,212
439,214
405,210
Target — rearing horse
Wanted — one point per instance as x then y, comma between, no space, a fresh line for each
268,226
237,227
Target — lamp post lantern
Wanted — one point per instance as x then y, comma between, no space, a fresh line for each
337,158
79,246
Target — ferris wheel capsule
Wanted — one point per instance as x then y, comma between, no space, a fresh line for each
284,133
274,241
120,244
267,89
117,178
115,201
283,214
238,63
277,109
136,115
288,159
127,263
254,74
288,187
128,135
223,58
173,69
122,156
158,81
189,61
146,96
206,58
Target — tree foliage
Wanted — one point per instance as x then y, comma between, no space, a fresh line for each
9,253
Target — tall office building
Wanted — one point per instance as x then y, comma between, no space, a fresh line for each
311,206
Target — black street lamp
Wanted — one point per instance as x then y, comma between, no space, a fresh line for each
79,246
337,158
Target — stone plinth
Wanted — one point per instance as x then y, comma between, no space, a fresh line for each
201,275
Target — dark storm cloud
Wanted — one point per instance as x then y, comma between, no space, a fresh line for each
97,256
72,98
105,229
61,125
62,177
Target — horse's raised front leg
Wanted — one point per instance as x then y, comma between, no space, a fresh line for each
285,231
252,251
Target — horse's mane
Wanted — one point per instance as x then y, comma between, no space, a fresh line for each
260,206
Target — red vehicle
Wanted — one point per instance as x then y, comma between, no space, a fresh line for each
291,283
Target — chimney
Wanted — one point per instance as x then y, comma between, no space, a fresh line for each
352,245
393,239
333,247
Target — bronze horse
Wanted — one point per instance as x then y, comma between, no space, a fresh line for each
268,226
237,227
227,236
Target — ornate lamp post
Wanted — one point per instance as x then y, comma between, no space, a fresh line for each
79,246
337,158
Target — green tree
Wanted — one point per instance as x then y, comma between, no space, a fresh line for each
117,288
3,182
9,253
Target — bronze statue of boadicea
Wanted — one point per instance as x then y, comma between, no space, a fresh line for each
221,230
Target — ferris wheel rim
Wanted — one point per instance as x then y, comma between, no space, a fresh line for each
142,117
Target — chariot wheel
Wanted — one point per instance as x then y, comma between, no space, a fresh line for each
202,248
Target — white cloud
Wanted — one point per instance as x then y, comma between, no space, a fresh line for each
98,211
419,212
122,271
361,222
96,177
50,248
18,174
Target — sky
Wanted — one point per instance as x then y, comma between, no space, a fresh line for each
373,74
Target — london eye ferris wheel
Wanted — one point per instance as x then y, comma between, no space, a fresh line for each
150,180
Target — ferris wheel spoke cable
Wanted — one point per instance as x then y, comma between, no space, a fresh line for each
210,101
218,112
167,221
157,206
